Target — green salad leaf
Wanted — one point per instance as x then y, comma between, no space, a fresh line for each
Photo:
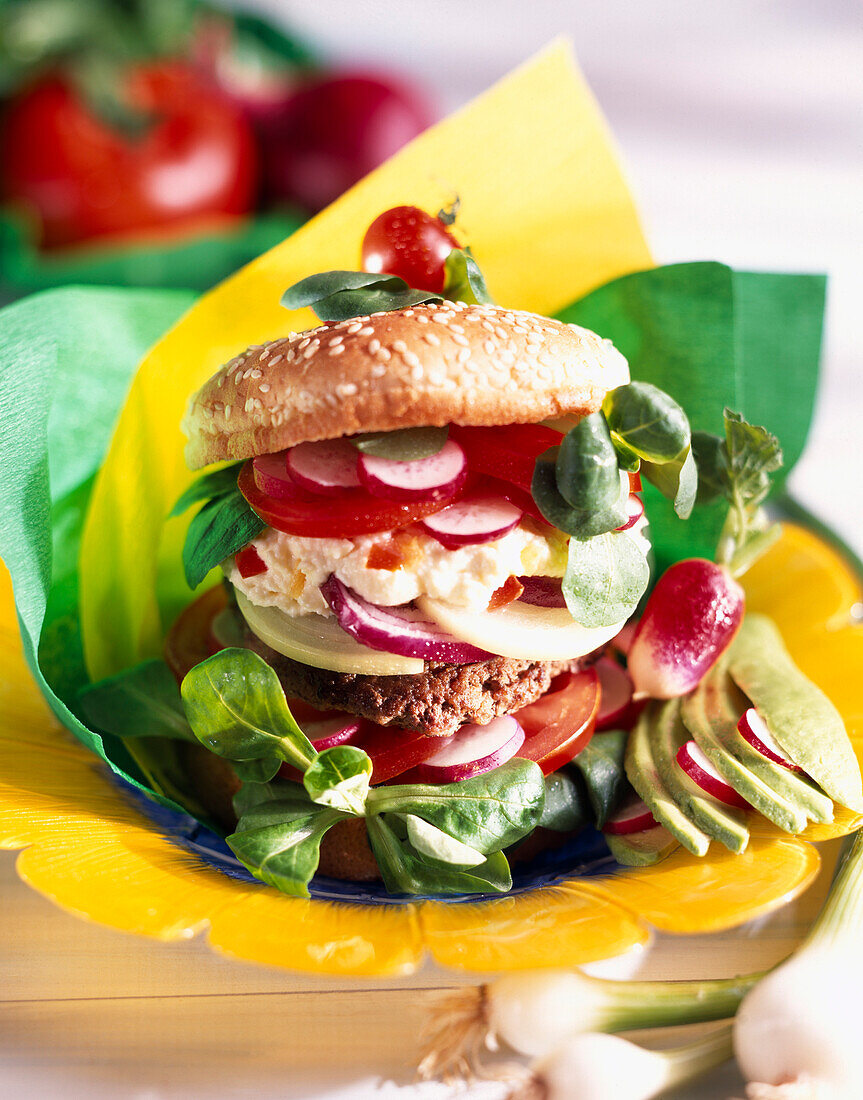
586,468
580,523
677,480
340,295
339,777
216,483
237,709
646,421
405,871
402,445
488,812
605,578
566,806
463,280
600,764
278,835
143,701
737,469
221,528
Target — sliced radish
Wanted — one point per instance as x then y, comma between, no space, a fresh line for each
753,729
690,619
634,817
437,477
482,519
699,769
634,510
341,729
542,591
616,699
271,476
473,750
327,467
400,630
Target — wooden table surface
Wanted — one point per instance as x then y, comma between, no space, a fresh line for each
88,1012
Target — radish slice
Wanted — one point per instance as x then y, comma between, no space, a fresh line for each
635,817
271,476
400,630
437,477
542,591
341,729
622,642
327,467
634,510
473,750
616,697
699,769
469,522
753,728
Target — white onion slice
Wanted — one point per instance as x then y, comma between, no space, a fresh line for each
473,750
519,630
320,642
634,512
437,477
395,629
328,466
470,522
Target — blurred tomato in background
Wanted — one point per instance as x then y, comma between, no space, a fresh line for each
147,123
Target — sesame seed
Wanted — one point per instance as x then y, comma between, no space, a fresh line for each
378,370
346,389
374,346
274,360
366,330
464,355
436,377
417,372
228,412
400,346
264,387
411,359
461,340
304,343
432,338
336,340
422,318
338,349
408,313
384,354
457,328
488,326
354,328
441,318
489,346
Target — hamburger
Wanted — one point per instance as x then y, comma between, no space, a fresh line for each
404,580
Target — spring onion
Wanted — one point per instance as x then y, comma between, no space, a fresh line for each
606,1066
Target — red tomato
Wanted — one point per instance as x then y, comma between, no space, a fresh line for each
189,640
561,723
410,243
355,513
194,163
509,453
249,563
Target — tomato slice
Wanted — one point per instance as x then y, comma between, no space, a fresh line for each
508,452
396,751
561,723
356,512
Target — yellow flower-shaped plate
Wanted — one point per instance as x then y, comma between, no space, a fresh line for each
93,852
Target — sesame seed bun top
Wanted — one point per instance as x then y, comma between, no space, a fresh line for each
430,365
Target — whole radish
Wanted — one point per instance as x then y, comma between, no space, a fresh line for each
690,619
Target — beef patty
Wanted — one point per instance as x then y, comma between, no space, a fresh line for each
437,701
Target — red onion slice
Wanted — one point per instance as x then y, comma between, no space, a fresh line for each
470,522
400,630
472,751
328,466
437,477
634,511
542,591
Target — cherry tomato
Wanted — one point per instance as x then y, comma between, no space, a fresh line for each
194,163
410,243
509,453
561,723
355,513
334,131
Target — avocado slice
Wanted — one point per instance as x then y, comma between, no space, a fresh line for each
641,849
713,731
798,714
730,703
642,773
721,822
